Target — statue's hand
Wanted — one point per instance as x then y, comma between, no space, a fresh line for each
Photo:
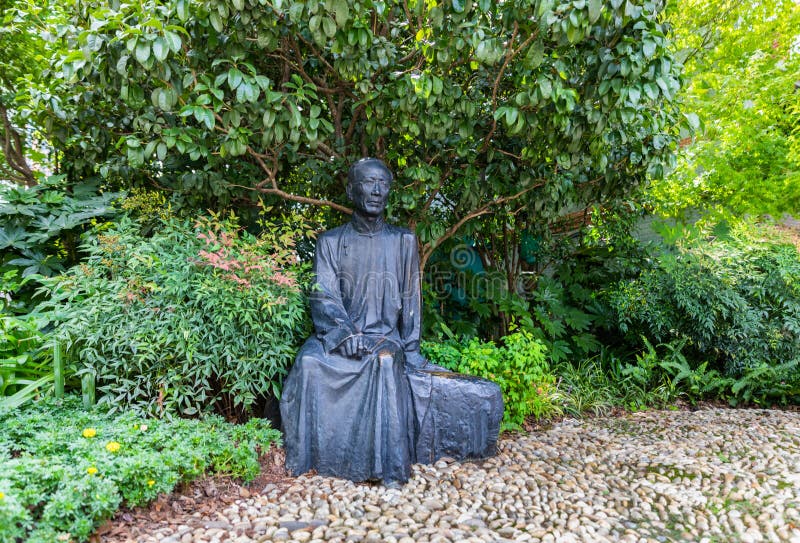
354,347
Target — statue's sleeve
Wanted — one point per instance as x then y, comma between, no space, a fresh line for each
331,321
411,315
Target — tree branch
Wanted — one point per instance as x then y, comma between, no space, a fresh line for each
294,197
428,249
13,149
269,185
509,56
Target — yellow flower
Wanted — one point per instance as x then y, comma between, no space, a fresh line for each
89,432
151,482
112,446
2,495
91,471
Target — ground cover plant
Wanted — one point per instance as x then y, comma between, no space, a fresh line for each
200,315
519,365
65,469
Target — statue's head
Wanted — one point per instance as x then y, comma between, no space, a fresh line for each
368,185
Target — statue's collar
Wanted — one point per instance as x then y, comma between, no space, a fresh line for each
367,225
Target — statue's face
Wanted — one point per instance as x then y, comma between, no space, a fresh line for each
370,190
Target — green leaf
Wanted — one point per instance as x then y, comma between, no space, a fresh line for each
545,86
535,54
173,41
122,64
182,7
13,237
142,51
574,34
328,27
216,21
149,148
437,86
634,94
341,12
649,48
595,9
693,120
511,115
160,48
234,78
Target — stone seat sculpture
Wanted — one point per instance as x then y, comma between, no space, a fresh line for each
360,401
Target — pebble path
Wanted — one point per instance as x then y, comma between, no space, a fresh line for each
713,475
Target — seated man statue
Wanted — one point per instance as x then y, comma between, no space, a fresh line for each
360,401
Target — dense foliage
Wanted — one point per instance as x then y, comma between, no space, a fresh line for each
480,107
41,225
737,302
199,315
519,366
742,62
64,470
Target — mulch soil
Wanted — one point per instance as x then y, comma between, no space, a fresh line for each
190,503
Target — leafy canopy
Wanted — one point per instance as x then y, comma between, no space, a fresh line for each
475,104
742,64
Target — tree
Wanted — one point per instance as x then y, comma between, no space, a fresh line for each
742,64
21,61
481,107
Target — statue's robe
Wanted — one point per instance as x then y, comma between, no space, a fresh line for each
370,417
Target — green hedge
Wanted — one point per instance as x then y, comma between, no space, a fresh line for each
64,470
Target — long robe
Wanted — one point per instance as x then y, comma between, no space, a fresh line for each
370,417
352,417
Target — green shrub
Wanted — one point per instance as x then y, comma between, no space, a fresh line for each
606,381
40,226
519,366
734,304
198,316
25,357
587,387
63,469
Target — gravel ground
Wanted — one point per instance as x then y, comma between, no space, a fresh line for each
713,475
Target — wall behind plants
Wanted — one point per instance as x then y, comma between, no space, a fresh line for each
199,316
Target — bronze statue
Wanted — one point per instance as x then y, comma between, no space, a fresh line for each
361,402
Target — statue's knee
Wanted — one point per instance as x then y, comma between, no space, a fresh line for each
386,359
307,363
